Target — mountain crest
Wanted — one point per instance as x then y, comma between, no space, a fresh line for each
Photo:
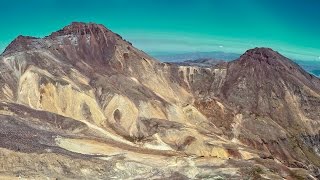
75,34
261,54
266,57
80,28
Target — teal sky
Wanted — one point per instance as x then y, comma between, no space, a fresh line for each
176,26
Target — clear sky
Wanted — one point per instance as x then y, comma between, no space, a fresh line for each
176,26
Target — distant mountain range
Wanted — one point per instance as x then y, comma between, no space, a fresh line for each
198,55
310,66
203,62
218,56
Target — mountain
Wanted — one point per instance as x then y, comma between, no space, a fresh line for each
82,103
278,103
203,62
195,56
313,67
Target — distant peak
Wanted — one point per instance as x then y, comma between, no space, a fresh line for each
80,28
261,53
266,57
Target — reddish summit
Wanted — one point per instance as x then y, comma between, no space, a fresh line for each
80,28
97,36
266,57
261,54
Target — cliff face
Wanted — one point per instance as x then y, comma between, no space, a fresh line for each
84,103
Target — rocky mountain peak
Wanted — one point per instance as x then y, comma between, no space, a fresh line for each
260,71
267,55
80,28
261,51
85,41
266,59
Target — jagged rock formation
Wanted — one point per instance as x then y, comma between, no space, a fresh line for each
84,103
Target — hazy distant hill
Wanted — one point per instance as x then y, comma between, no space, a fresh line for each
198,55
